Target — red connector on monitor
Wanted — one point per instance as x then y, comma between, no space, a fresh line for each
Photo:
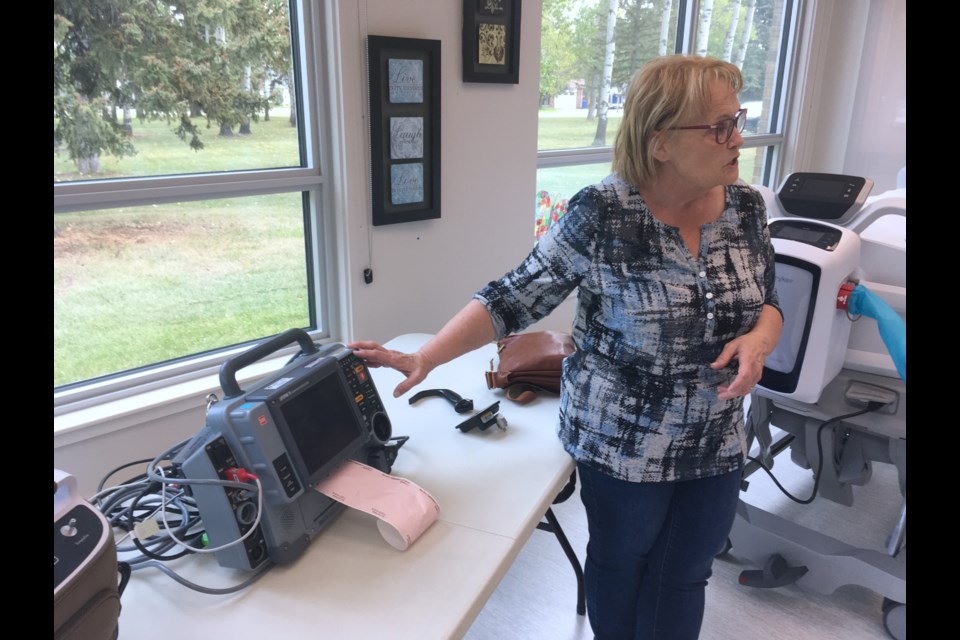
843,295
240,475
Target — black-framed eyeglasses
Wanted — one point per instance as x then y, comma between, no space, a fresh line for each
723,128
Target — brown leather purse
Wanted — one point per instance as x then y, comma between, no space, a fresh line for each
530,363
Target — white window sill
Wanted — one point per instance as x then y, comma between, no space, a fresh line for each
99,419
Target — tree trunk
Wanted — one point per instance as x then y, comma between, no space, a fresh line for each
731,31
196,111
703,30
245,120
665,28
293,101
745,38
591,92
128,121
600,139
267,91
88,165
226,130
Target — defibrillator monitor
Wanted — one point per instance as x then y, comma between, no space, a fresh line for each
289,431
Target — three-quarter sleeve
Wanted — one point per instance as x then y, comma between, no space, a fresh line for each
549,273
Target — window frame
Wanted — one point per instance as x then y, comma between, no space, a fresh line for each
314,42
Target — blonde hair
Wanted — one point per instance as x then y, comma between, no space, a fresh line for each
662,93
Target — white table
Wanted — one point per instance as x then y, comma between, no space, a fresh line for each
493,488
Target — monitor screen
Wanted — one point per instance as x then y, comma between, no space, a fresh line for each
323,423
316,417
797,284
823,188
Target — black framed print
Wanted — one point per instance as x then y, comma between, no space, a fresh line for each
491,41
404,77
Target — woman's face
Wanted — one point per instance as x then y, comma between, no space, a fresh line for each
693,155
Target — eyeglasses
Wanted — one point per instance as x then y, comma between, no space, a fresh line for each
723,128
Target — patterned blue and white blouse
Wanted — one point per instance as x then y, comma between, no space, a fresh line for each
639,399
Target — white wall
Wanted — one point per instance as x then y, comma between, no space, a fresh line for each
850,114
425,271
877,146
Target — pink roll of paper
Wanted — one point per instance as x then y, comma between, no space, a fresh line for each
403,509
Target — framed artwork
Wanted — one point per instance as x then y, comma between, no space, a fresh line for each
491,41
404,77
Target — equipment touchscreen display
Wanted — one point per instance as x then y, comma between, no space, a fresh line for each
322,423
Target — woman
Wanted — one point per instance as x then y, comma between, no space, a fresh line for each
676,314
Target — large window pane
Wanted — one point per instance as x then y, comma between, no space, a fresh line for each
144,88
162,253
137,286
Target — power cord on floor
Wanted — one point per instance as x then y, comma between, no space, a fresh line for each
871,406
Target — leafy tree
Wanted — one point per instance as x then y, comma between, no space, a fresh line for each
642,34
91,72
172,60
742,31
587,48
557,60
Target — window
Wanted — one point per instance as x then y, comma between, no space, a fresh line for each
189,201
584,75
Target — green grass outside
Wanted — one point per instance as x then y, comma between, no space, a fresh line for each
142,285
565,132
160,152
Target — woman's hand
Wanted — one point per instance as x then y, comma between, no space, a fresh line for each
415,366
750,351
746,350
470,329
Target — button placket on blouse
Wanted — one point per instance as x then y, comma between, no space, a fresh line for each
710,303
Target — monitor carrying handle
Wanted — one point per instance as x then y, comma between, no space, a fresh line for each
228,370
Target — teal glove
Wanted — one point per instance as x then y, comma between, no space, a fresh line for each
893,331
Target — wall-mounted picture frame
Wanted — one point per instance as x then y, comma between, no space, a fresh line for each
491,41
404,88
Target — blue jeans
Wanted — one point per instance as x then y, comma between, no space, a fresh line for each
650,551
